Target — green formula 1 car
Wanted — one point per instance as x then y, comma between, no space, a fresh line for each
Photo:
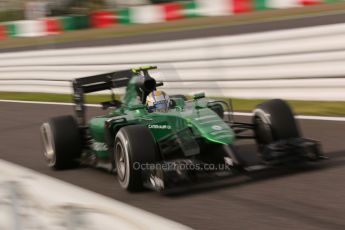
194,140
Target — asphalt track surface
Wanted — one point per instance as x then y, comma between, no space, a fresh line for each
304,197
277,24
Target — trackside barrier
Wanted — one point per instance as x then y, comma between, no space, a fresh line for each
52,25
242,6
151,14
214,8
11,29
189,9
146,14
102,18
310,2
30,200
26,28
304,63
282,4
172,11
3,33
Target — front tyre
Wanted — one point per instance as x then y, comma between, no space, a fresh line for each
274,121
134,147
61,142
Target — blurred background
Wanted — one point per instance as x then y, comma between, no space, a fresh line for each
244,49
247,50
26,9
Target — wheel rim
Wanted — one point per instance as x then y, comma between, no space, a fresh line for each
263,131
48,144
120,159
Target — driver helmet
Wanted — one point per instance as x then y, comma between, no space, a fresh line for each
157,101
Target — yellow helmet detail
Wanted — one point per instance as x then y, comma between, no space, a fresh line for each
158,101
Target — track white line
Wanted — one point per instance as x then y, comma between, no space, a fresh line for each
46,103
300,117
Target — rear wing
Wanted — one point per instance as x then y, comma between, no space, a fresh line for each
102,82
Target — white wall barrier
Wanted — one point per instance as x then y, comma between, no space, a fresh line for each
281,4
29,200
147,14
304,63
214,7
30,28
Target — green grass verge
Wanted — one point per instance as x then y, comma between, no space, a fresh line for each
11,15
325,108
50,97
188,23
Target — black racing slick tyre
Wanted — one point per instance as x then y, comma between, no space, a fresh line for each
62,142
134,147
273,121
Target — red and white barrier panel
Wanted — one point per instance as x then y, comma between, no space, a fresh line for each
102,18
52,25
3,33
172,11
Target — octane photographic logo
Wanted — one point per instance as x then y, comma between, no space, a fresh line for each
173,166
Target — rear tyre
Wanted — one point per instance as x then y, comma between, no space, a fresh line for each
273,121
134,146
62,142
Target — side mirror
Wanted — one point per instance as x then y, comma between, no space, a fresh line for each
198,96
137,106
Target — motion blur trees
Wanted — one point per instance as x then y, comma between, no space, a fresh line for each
165,1
75,6
11,10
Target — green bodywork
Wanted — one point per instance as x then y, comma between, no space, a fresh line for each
193,119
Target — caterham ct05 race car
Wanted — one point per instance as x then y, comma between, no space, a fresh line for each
193,140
